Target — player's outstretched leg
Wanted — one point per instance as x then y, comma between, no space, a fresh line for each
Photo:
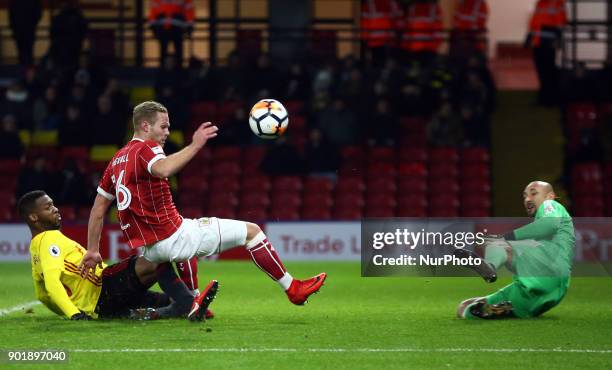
484,268
265,257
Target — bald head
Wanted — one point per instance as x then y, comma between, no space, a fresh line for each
535,194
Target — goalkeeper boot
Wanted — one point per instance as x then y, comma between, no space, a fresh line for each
485,310
300,290
484,269
202,301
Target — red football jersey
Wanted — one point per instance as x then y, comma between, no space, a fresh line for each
146,211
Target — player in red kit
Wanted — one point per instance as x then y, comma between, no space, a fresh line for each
136,178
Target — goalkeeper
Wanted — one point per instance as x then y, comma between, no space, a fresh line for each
539,254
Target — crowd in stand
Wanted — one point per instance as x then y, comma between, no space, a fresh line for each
344,103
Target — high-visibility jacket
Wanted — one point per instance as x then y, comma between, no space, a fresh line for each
548,16
171,13
423,29
379,20
471,15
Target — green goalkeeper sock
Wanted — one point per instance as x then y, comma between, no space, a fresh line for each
496,255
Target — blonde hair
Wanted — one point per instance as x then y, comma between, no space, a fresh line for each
146,111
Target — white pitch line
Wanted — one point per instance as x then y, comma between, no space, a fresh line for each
23,306
349,350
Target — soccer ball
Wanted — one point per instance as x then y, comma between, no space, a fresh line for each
268,119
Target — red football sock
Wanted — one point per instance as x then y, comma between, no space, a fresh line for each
188,271
265,257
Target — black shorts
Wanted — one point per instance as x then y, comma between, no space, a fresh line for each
122,290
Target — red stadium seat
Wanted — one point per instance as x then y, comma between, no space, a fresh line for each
412,169
475,212
380,200
10,167
349,199
319,185
588,206
298,123
411,212
286,199
256,183
380,154
380,211
226,168
471,185
381,168
191,212
443,212
412,201
352,153
254,199
444,155
475,201
222,199
203,111
316,213
449,185
287,183
384,184
224,184
317,200
443,170
412,154
408,185
252,214
68,212
221,211
227,153
192,183
347,213
475,154
190,198
284,213
79,154
475,171
350,183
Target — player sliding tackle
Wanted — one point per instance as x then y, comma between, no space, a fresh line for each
107,292
137,178
539,254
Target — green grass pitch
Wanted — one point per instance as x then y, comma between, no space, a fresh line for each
353,323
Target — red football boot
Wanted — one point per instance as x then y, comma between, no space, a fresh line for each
201,302
300,290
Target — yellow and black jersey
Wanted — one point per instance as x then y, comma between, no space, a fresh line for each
57,282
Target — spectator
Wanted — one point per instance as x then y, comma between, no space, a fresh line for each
72,129
17,102
24,16
298,83
339,124
46,110
445,129
234,131
108,125
67,33
263,80
382,127
10,143
36,177
71,184
170,20
475,127
321,156
202,81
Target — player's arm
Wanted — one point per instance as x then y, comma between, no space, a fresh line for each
542,228
57,293
92,258
42,296
169,166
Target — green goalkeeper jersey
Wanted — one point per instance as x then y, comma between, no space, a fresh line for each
553,232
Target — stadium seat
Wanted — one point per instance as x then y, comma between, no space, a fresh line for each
79,154
294,107
588,206
138,94
9,167
475,201
224,184
190,198
475,171
380,154
352,154
449,185
445,155
349,199
314,200
220,199
412,154
443,212
380,200
380,211
474,185
385,184
203,111
475,154
347,213
443,170
191,211
256,183
582,115
286,183
192,183
286,199
381,169
411,212
316,213
227,153
196,169
226,111
319,185
284,213
255,199
409,185
475,212
45,138
350,183
252,214
102,153
226,168
412,169
221,211
68,212
298,124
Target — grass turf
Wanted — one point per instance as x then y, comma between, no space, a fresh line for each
353,323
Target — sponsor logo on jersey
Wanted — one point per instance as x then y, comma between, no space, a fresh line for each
157,150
